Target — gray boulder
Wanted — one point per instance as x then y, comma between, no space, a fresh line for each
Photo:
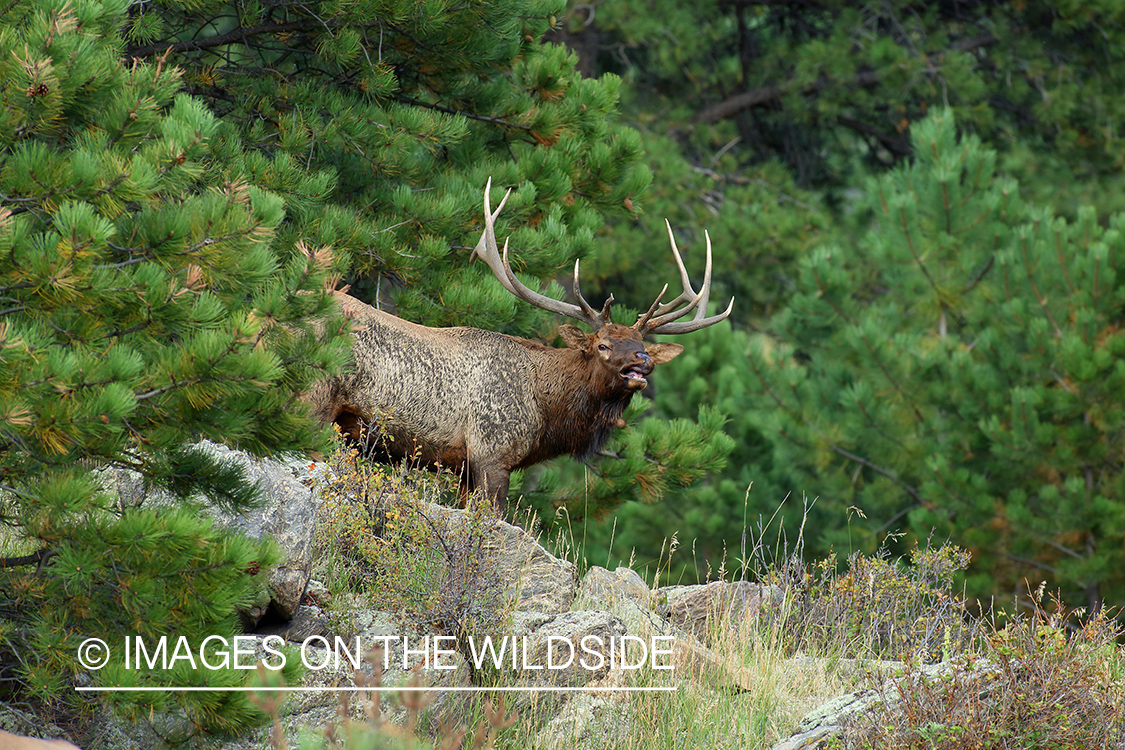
624,594
568,649
588,722
706,609
288,517
607,589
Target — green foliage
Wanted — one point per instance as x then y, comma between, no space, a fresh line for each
960,369
830,88
649,462
145,302
381,121
762,121
149,574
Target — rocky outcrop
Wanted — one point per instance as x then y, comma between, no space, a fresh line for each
533,579
548,630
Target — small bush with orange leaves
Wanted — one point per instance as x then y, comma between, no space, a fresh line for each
1049,683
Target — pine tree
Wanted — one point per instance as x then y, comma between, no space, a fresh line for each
958,373
404,110
829,89
147,300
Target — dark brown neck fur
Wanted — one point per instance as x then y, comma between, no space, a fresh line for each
581,404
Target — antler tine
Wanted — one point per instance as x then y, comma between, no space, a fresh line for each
487,251
578,294
605,313
688,292
643,320
698,321
705,290
486,247
667,313
680,260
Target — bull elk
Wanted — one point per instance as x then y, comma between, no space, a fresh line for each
484,404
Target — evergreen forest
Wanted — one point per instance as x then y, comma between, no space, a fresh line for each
916,206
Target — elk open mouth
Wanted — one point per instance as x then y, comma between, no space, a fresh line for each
634,375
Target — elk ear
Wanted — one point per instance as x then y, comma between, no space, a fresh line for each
662,353
574,337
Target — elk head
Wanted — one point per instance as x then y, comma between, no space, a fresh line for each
627,360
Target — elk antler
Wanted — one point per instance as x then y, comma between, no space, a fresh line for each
659,317
487,251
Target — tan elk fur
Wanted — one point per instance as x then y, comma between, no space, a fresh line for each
457,395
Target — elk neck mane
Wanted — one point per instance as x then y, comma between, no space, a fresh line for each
581,405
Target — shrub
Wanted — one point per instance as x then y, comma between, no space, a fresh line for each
1042,682
875,607
383,533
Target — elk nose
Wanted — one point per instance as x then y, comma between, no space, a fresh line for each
645,359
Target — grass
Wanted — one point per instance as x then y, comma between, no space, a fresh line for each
1059,679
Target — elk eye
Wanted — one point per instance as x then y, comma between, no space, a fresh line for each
603,347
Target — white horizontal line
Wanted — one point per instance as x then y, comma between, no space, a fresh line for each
406,689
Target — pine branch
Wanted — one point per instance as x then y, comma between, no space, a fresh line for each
231,37
896,145
766,95
39,558
462,113
744,101
877,469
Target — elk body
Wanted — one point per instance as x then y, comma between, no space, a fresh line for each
484,404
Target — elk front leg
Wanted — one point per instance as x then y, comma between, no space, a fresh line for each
492,480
